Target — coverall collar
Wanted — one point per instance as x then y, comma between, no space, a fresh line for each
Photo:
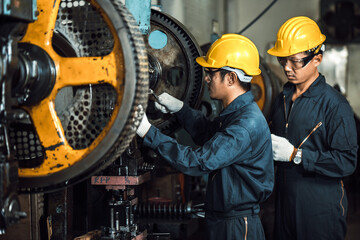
316,88
238,103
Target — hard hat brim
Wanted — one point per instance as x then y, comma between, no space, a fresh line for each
202,62
273,52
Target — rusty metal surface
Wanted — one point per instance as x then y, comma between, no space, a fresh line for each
120,180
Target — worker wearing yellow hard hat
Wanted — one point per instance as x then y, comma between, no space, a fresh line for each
234,149
232,50
313,138
298,34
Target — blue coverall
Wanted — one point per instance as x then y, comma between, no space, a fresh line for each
311,200
236,150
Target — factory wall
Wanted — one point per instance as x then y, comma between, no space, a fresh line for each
203,18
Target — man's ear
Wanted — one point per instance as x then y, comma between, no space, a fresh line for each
232,78
318,59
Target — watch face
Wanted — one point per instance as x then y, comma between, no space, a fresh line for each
297,158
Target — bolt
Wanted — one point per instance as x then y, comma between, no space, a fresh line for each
19,215
59,209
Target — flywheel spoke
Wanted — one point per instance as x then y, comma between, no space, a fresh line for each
41,31
89,70
59,154
48,124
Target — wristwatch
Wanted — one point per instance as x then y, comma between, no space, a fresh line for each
298,155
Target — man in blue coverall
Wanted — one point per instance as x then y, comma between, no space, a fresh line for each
235,148
314,140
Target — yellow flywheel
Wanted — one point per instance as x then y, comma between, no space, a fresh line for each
83,84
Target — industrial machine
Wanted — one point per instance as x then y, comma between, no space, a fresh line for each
75,77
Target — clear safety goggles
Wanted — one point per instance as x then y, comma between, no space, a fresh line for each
295,63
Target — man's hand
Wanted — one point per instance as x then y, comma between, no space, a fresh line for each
143,127
168,103
283,150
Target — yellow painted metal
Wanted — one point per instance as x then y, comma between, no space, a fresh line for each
259,80
69,72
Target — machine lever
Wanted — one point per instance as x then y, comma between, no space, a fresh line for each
151,92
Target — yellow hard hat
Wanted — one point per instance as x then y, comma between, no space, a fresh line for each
232,50
298,34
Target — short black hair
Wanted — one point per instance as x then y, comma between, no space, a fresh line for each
245,85
223,72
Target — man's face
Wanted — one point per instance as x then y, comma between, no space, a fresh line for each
300,67
215,83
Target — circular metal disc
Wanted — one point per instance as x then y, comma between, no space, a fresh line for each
172,67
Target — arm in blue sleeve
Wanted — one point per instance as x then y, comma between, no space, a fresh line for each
196,124
220,151
339,159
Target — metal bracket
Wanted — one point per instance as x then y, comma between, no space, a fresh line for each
141,10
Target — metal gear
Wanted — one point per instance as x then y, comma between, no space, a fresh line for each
91,113
173,69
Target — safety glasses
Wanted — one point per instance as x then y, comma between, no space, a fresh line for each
295,63
211,73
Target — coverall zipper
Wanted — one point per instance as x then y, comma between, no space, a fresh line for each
286,117
246,227
342,197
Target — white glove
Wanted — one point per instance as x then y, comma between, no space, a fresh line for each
168,103
282,149
143,127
